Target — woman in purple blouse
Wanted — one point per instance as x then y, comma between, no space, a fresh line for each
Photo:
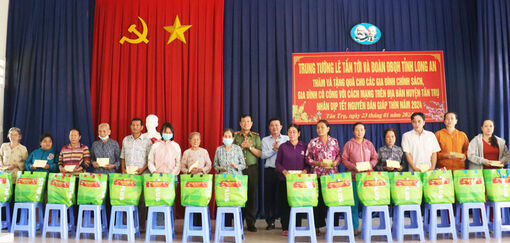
290,157
320,152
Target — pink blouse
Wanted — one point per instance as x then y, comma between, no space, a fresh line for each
355,152
318,151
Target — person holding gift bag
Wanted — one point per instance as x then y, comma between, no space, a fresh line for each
390,157
323,155
359,156
454,144
105,153
13,154
486,150
195,160
229,158
75,157
289,159
165,154
43,158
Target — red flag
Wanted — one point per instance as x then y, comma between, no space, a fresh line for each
136,71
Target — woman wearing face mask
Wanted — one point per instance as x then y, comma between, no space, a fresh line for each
165,154
229,157
13,154
486,150
46,152
105,149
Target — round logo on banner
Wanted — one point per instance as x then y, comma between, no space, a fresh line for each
365,34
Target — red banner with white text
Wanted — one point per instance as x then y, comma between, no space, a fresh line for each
369,87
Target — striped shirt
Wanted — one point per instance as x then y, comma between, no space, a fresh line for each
79,156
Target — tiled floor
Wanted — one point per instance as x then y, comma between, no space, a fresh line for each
261,236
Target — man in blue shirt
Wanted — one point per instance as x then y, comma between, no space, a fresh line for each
270,145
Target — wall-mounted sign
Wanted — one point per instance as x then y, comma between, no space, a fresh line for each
365,34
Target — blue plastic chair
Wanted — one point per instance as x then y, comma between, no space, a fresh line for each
447,224
400,229
235,231
86,226
501,217
308,231
132,226
346,230
167,229
27,218
62,226
384,229
479,225
189,230
5,223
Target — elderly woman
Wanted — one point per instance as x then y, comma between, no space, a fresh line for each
229,158
390,151
74,157
165,154
290,157
356,151
195,160
13,154
486,150
323,155
45,153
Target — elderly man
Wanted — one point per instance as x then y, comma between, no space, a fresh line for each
105,152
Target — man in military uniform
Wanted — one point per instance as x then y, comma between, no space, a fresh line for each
252,149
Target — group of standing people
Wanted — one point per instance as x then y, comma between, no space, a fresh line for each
421,150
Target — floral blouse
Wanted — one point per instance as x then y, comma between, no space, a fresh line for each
318,151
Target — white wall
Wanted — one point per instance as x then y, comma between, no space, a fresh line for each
4,9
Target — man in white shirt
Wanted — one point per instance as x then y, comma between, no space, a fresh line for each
420,146
135,149
270,145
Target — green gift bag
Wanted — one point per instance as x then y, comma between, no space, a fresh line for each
406,188
92,188
196,190
438,186
302,190
61,189
337,189
469,186
159,189
125,189
230,190
497,182
5,187
373,188
30,186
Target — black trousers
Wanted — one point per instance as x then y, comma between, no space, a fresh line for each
272,194
285,208
250,210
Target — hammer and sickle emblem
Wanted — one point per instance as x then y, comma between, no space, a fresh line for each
141,36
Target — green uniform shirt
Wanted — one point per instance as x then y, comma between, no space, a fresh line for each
249,157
